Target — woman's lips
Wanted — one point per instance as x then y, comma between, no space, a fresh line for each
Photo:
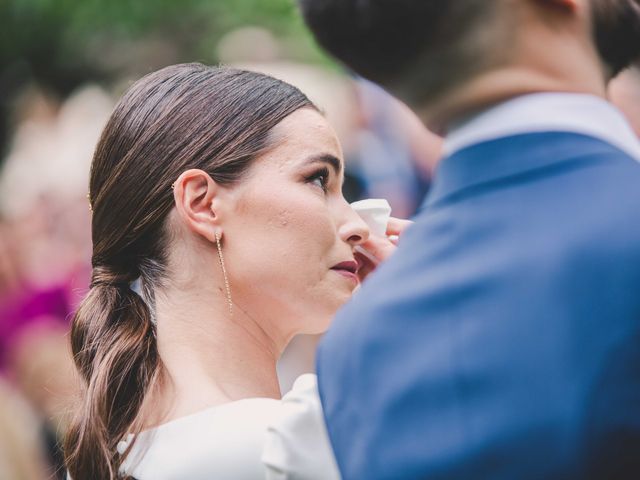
348,269
349,266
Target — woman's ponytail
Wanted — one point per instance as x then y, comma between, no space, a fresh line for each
114,349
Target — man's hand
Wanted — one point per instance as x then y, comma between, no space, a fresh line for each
378,249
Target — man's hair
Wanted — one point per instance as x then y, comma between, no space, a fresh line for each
616,25
414,48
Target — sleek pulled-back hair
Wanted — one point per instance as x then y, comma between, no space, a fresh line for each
181,117
414,48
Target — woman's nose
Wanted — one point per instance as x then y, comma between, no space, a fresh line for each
353,229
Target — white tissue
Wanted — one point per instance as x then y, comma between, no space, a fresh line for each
375,212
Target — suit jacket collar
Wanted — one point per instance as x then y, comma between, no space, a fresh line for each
544,112
511,159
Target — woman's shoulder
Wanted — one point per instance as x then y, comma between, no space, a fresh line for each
253,438
220,442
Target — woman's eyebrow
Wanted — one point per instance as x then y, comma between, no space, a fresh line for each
333,161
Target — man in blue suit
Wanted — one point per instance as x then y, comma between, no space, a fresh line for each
502,339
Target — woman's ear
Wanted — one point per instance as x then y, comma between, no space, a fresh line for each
197,199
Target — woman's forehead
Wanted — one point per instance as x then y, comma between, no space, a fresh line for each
307,128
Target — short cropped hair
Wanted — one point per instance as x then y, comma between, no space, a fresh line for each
616,25
414,48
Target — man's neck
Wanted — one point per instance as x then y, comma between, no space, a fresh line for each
496,87
541,60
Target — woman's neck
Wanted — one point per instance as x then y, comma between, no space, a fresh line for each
209,357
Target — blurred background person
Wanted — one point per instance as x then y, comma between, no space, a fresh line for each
390,155
46,240
22,456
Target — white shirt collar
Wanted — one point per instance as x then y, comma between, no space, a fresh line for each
544,112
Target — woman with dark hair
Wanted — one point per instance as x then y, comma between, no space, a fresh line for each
216,194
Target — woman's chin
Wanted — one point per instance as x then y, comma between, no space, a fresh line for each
321,321
340,300
344,296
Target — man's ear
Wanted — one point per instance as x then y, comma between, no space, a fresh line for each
197,199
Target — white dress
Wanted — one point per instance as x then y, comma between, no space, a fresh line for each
255,438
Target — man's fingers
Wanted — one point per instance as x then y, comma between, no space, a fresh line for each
379,247
396,226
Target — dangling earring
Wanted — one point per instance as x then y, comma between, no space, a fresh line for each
224,273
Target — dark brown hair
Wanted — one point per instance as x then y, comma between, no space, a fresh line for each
616,27
181,117
415,48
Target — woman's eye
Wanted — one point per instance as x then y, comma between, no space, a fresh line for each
321,181
320,178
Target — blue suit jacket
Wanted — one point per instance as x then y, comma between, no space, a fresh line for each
502,340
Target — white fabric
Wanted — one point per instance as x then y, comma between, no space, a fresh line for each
257,438
542,112
297,445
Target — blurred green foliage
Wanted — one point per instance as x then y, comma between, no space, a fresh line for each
61,44
58,42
